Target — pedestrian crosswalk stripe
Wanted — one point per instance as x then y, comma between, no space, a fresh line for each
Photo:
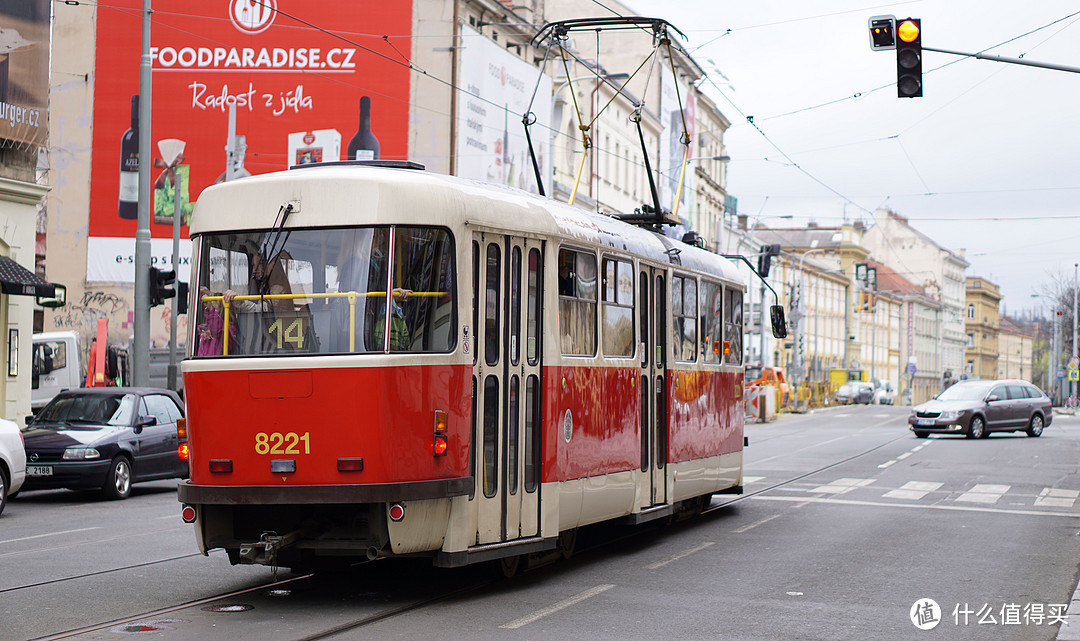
984,493
842,486
913,490
1054,497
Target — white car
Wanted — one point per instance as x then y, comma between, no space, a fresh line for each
12,461
884,395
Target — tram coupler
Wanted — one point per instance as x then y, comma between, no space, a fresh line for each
264,551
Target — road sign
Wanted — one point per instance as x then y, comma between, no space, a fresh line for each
1074,362
1060,374
1074,375
911,369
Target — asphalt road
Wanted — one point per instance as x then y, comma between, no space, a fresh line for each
847,522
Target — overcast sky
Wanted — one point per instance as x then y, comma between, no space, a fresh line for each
987,161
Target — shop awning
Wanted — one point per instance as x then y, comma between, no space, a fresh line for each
19,281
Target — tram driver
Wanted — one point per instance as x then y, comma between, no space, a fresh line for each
255,316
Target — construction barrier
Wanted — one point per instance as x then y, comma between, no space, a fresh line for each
761,402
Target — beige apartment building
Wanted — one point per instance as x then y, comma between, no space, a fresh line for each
981,325
1015,351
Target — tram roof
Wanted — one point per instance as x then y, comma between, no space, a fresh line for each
323,195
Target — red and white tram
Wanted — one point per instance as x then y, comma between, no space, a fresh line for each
418,364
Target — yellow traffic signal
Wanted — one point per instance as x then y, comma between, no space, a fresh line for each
909,58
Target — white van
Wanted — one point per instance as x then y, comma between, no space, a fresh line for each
57,366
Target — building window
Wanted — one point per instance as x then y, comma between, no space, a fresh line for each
971,312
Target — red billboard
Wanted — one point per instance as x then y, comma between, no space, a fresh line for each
289,67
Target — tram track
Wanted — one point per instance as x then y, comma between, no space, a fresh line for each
823,468
158,612
464,586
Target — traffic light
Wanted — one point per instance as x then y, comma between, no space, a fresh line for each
882,33
161,283
182,298
909,58
765,259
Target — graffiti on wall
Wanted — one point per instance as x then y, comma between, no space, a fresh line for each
83,314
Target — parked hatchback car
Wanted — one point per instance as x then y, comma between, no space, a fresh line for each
12,461
854,392
104,437
977,408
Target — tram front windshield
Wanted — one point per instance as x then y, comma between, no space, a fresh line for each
349,290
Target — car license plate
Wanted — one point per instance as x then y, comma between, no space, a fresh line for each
924,421
39,470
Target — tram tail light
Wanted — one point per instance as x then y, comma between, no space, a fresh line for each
440,443
181,434
188,514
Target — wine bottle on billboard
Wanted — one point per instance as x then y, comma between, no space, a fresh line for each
364,145
129,165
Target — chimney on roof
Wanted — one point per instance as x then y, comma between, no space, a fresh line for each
812,224
859,225
742,221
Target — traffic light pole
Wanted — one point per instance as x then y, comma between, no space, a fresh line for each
1012,61
178,180
140,357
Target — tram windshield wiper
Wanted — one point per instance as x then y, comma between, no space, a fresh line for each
270,246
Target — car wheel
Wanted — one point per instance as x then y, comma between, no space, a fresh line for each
118,484
4,485
977,428
1035,428
920,434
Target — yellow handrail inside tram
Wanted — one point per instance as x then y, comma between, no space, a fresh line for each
352,296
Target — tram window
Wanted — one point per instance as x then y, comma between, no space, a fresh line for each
684,317
644,423
491,305
533,322
472,435
532,432
334,290
512,437
618,309
475,300
712,321
515,306
733,327
643,317
577,302
491,435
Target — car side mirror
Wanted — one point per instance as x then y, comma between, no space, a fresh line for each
144,421
779,325
992,398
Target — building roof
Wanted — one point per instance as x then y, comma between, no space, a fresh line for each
889,214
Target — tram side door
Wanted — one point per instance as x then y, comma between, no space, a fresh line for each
507,378
653,331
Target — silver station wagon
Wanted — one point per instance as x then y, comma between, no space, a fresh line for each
977,408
